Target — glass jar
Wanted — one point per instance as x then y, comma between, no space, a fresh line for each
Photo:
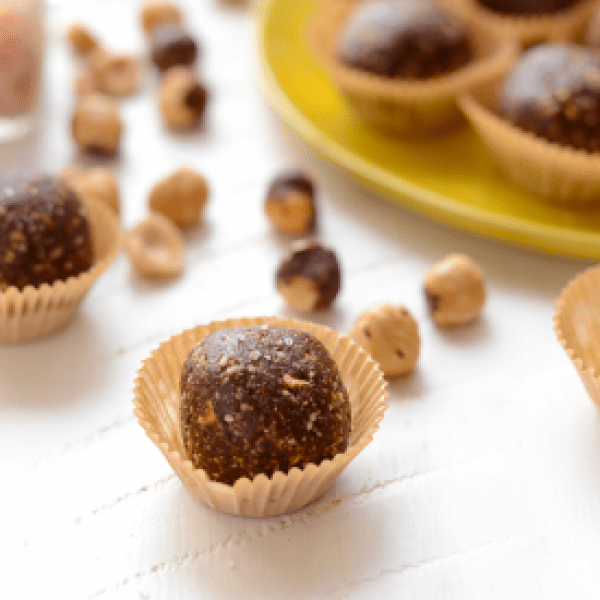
21,52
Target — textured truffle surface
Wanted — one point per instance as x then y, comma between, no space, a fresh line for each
527,7
44,232
259,400
414,39
554,92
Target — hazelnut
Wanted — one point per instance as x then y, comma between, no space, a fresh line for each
290,203
180,197
172,46
391,335
155,248
81,40
181,98
159,13
96,124
85,81
309,278
97,184
115,74
454,288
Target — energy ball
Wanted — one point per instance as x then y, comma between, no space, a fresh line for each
259,400
454,289
171,46
391,336
290,203
309,278
44,232
414,39
527,7
554,92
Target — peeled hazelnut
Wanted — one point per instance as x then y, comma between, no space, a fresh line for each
290,203
115,74
309,278
159,13
96,124
85,81
181,98
97,184
454,288
155,248
81,40
391,335
172,46
180,197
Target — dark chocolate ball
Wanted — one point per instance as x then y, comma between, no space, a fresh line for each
554,92
414,39
44,232
527,7
172,46
259,400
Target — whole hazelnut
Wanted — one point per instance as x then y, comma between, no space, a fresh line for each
171,46
98,184
81,40
180,197
454,288
310,277
159,13
181,98
96,124
290,204
155,247
115,74
391,335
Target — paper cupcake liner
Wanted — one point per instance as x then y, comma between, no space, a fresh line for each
33,313
406,106
156,401
577,327
562,26
553,172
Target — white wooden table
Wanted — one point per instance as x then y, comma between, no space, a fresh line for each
483,481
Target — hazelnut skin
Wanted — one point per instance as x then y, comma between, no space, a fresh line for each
98,184
180,197
181,98
290,204
310,277
81,40
454,288
159,13
155,247
172,46
96,124
391,335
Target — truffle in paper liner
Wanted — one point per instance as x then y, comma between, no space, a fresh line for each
553,172
35,312
577,327
403,106
560,26
156,401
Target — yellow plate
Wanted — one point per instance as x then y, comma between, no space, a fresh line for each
450,178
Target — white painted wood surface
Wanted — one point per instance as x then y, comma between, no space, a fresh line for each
483,482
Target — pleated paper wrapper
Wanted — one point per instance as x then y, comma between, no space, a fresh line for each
401,106
555,173
34,313
560,26
577,327
156,402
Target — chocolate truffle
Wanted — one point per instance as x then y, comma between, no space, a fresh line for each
554,92
414,39
44,232
527,7
259,400
172,46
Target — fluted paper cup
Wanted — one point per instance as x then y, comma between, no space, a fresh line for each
156,401
35,312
